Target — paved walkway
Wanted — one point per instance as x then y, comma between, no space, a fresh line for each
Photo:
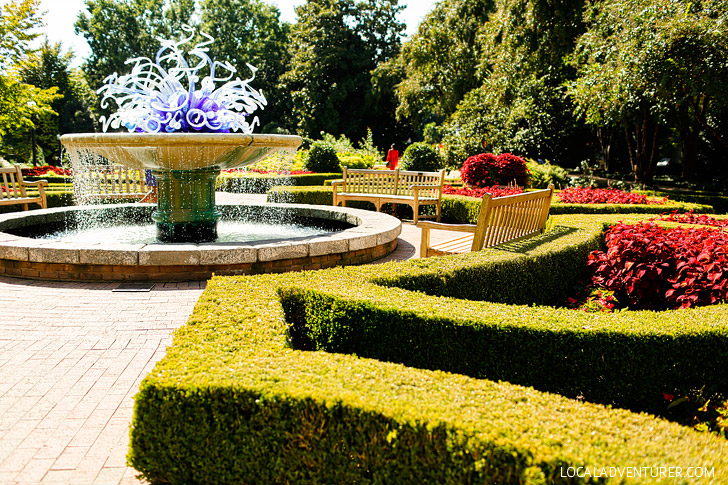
71,359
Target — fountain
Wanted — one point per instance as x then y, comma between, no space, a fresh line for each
185,135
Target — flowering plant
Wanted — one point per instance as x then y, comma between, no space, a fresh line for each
167,95
690,218
45,170
651,267
495,191
589,195
264,171
489,169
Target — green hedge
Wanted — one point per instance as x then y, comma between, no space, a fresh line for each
261,183
462,209
239,399
718,202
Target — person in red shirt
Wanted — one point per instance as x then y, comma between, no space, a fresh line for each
392,158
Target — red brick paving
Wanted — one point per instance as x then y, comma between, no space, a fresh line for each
71,359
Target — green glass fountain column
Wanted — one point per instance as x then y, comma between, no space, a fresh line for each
186,205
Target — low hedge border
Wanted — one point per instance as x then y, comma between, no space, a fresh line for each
235,400
252,183
461,209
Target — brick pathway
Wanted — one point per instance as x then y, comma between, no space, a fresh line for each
71,359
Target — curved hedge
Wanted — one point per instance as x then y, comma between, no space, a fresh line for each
255,183
239,399
462,209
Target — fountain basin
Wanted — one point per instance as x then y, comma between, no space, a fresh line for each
185,164
372,235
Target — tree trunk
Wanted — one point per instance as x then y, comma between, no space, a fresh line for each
642,147
605,136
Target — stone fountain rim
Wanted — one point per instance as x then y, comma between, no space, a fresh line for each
181,139
371,229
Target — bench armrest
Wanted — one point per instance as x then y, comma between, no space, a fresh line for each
37,183
338,182
427,225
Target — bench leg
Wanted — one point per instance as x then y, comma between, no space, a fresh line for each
25,207
416,212
424,242
438,209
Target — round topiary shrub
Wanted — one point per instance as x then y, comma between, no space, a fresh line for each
488,169
421,157
322,158
480,170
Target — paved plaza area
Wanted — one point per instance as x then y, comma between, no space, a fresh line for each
71,359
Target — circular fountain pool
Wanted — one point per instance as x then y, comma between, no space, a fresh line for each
271,238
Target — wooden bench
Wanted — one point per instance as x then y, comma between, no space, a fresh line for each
13,189
106,182
379,187
501,220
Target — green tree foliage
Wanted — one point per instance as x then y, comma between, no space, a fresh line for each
322,158
117,30
440,62
645,65
521,106
335,46
50,68
21,104
250,32
421,157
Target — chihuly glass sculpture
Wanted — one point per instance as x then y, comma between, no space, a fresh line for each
168,95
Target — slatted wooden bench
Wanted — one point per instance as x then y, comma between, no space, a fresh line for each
107,182
380,187
13,189
501,220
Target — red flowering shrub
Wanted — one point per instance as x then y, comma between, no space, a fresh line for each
587,195
495,191
44,171
487,169
690,218
650,267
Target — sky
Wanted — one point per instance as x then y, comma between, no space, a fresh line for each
61,14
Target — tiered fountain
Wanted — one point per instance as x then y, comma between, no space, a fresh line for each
182,129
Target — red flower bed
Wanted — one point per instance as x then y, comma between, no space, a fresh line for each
650,267
586,195
487,169
495,191
44,170
690,218
265,172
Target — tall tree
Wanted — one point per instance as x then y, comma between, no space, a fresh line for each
48,68
21,104
645,65
250,32
335,46
520,106
441,60
118,30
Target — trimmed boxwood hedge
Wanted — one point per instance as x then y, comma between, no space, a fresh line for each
462,209
253,183
348,375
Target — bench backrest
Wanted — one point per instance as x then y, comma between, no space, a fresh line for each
110,181
12,183
510,218
392,182
370,181
431,179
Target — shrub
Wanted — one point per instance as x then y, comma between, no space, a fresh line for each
322,158
489,169
543,174
236,378
420,157
650,267
589,195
